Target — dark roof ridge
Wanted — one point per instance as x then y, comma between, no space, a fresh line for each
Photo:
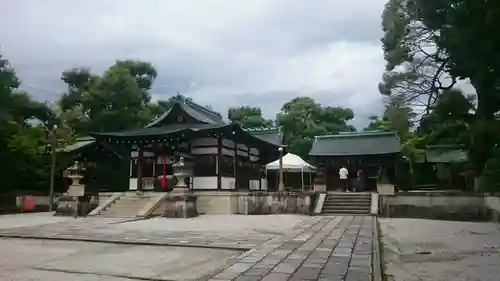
451,146
356,134
200,107
263,129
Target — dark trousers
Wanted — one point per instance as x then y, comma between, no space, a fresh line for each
344,184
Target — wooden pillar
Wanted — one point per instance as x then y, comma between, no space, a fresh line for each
246,168
140,159
219,160
260,173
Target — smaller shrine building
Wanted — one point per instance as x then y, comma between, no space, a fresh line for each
374,152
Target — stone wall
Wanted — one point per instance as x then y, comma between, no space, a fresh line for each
251,203
218,202
13,204
259,203
437,205
493,203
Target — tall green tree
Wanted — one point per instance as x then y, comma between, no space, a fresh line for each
23,135
464,29
117,100
248,117
430,45
448,121
416,68
302,118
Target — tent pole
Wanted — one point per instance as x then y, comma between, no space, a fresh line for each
310,180
302,177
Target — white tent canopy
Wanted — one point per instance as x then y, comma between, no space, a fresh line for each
291,162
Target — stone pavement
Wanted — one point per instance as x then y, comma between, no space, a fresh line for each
333,248
319,248
102,230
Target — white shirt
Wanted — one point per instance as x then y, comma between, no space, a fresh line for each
343,173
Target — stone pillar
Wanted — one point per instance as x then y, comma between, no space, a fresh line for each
180,202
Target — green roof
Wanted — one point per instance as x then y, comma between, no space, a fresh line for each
354,143
446,154
268,134
160,131
79,144
76,146
192,109
163,131
199,119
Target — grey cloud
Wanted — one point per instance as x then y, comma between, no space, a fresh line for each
221,52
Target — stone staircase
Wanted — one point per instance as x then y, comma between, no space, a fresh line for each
355,203
128,205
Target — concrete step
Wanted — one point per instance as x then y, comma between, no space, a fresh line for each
124,213
346,212
126,206
342,207
354,201
349,197
348,194
331,202
347,203
361,202
346,207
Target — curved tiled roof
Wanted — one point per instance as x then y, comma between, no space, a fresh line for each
196,111
354,143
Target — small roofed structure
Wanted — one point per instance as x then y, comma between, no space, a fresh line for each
446,154
293,165
448,164
374,152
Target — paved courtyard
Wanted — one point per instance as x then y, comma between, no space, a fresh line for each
432,250
225,247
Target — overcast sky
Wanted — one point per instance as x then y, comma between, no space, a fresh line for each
222,53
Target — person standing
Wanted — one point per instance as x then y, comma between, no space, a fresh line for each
343,174
360,186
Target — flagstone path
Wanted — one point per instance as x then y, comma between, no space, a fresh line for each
318,248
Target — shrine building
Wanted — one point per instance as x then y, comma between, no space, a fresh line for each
374,152
221,156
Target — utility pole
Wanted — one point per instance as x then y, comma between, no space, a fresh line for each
52,168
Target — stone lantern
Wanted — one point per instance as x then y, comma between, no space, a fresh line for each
75,174
181,173
72,201
181,202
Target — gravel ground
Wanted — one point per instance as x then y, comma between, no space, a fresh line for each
417,249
